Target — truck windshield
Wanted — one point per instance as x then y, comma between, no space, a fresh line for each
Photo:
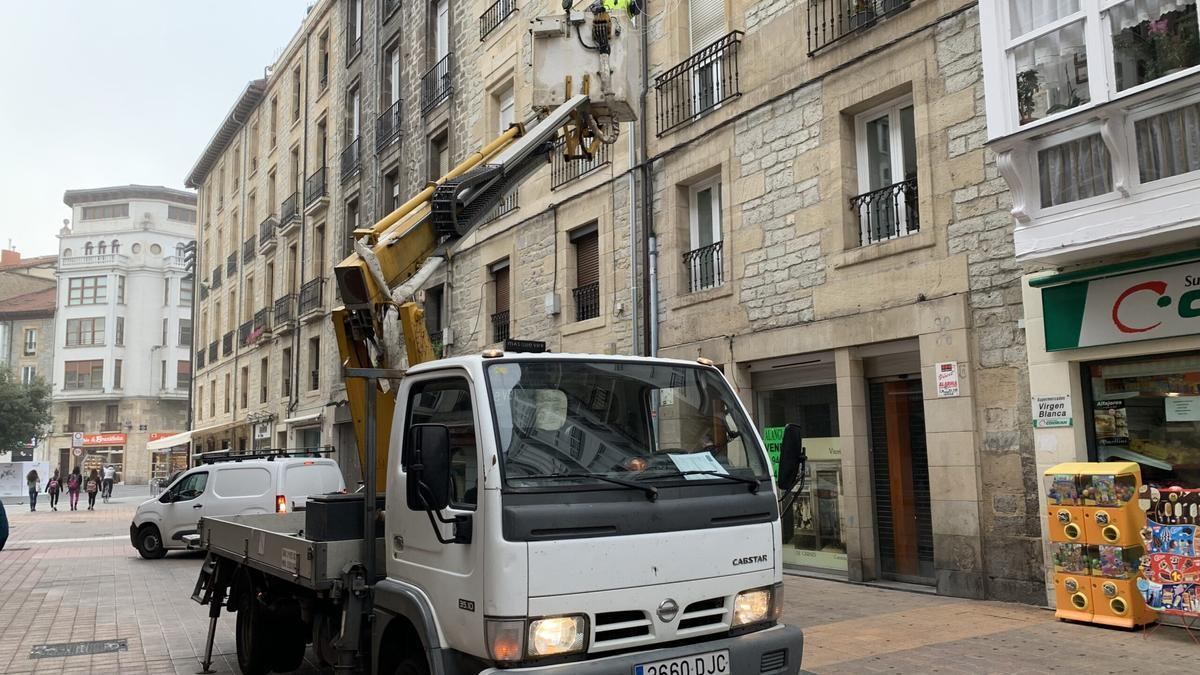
559,421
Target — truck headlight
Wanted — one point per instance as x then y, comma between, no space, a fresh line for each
757,605
557,635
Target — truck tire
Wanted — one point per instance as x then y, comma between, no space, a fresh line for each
150,543
289,633
412,665
254,636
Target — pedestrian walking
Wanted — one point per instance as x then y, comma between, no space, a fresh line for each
53,487
74,483
92,487
106,485
34,483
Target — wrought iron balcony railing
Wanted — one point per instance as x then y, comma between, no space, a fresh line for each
212,351
563,170
244,332
435,84
200,361
310,296
887,213
285,310
704,267
353,47
587,301
227,344
266,231
314,187
203,292
352,158
110,426
500,326
505,206
249,249
73,427
290,210
231,264
387,127
832,20
495,15
216,278
704,81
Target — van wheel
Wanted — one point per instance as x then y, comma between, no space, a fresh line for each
254,636
149,543
412,665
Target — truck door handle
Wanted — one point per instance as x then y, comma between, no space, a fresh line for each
197,506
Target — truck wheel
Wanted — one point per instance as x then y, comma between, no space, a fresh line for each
254,636
289,640
412,665
149,543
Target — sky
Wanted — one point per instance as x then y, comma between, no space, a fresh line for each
96,93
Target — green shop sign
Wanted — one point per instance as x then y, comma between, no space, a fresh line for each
1104,306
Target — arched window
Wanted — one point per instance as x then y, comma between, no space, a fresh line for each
88,249
116,246
102,248
178,250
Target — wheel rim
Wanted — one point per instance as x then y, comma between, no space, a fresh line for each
150,541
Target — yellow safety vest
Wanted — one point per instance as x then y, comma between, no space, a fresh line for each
630,7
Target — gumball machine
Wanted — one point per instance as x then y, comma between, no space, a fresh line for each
1111,515
1117,600
1064,505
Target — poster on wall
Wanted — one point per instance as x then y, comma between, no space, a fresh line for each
1112,423
1170,571
1052,411
1183,408
947,379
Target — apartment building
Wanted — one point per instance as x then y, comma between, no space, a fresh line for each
123,328
27,302
1093,111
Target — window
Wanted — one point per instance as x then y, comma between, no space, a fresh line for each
185,292
1152,39
500,301
166,291
185,332
102,248
439,156
314,363
119,334
272,194
254,133
112,414
1077,169
105,211
117,373
83,375
180,214
391,191
353,220
586,243
162,378
704,262
228,400
200,402
89,249
286,365
323,60
447,401
296,84
319,248
183,374
433,312
886,149
120,289
87,290
244,387
212,398
1168,144
87,332
116,246
221,188
354,28
390,89
504,108
190,487
274,127
353,114
441,30
30,341
28,373
164,332
235,173
263,375
706,25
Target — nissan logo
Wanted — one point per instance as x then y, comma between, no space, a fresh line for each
667,610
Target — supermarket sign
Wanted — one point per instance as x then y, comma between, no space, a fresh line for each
1158,303
103,439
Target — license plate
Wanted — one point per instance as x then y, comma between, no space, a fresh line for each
708,663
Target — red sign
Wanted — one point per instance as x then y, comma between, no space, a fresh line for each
154,436
104,439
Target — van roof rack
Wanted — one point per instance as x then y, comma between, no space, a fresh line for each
268,454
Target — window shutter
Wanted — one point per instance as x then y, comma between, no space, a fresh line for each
500,278
587,259
706,22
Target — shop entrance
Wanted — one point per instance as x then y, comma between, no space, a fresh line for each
903,518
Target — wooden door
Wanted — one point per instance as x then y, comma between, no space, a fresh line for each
901,480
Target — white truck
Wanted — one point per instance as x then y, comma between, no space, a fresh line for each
541,513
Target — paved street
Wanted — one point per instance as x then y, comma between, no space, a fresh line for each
72,576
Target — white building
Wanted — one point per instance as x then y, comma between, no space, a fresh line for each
122,367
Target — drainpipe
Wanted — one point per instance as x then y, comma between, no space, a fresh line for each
635,342
294,396
649,239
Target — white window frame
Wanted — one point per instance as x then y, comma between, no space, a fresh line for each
694,212
891,110
30,341
27,374
441,31
505,100
710,70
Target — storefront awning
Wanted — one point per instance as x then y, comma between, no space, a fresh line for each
181,438
303,419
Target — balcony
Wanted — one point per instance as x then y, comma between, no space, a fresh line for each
174,262
266,233
289,213
705,267
504,207
435,84
203,292
389,6
500,326
387,127
200,360
74,427
262,320
700,84
587,301
79,261
494,16
316,191
831,20
231,265
564,170
110,426
886,213
352,158
216,278
285,312
227,344
310,297
244,332
212,352
353,47
249,249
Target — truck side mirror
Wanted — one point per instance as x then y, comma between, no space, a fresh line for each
427,461
791,458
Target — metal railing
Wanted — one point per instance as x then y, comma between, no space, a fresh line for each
435,84
200,362
231,264
314,187
353,47
227,344
289,210
704,81
506,205
832,20
216,278
73,427
887,213
494,16
705,267
587,301
500,326
563,170
244,331
212,351
266,231
249,248
262,320
203,292
387,127
110,426
352,158
285,310
310,296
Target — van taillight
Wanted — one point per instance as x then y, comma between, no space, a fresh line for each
281,505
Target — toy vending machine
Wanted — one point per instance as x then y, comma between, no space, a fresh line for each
1118,601
1064,517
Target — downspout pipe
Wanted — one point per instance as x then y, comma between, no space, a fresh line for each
649,239
294,393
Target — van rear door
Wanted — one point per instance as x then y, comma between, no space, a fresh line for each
309,479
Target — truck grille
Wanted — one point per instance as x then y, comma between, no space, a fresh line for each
703,613
612,626
773,661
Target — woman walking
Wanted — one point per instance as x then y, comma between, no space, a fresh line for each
53,487
34,483
92,487
74,482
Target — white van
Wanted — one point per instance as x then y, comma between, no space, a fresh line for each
231,487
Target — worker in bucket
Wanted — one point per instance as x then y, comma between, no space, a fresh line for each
628,7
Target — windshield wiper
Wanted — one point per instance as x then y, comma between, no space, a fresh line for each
737,479
651,491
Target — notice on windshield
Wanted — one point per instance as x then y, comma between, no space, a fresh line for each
697,461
